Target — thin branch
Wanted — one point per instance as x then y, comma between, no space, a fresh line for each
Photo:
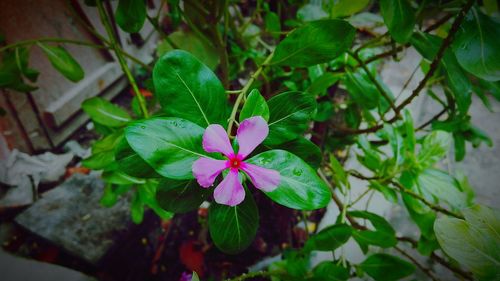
435,117
436,208
374,81
425,270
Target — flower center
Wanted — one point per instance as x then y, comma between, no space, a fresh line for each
235,162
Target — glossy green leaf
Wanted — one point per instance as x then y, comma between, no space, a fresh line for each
383,267
329,271
104,112
131,163
315,42
180,196
63,62
192,43
399,17
361,89
233,228
329,238
188,89
476,45
322,83
290,114
255,105
130,15
344,8
103,156
476,245
170,145
300,187
305,149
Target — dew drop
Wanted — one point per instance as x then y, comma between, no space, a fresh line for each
297,172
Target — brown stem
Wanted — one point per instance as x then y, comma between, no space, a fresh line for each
436,117
425,270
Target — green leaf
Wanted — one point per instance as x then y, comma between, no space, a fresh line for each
233,228
147,192
192,43
63,62
311,12
361,89
300,187
384,235
322,83
273,24
109,197
339,175
344,8
422,215
137,209
188,89
105,113
472,243
315,42
131,163
399,17
428,45
130,15
120,178
305,149
385,267
255,105
180,196
324,112
195,277
485,219
434,183
290,113
103,156
389,193
409,140
476,45
329,238
328,271
434,148
169,145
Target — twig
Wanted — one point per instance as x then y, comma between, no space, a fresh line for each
436,208
244,92
121,60
425,270
374,81
436,117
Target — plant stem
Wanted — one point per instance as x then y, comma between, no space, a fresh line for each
436,208
244,91
374,81
105,21
425,270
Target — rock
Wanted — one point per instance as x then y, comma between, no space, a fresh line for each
71,217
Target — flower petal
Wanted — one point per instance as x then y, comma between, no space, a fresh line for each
262,178
230,191
205,170
215,139
251,132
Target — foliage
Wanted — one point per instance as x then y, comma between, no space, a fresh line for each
224,62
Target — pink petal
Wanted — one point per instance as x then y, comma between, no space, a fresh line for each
251,132
230,191
215,139
205,170
263,179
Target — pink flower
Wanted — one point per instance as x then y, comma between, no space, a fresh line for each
250,134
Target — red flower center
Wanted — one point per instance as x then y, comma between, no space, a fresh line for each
235,162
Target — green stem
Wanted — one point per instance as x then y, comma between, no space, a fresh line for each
121,60
74,42
244,92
